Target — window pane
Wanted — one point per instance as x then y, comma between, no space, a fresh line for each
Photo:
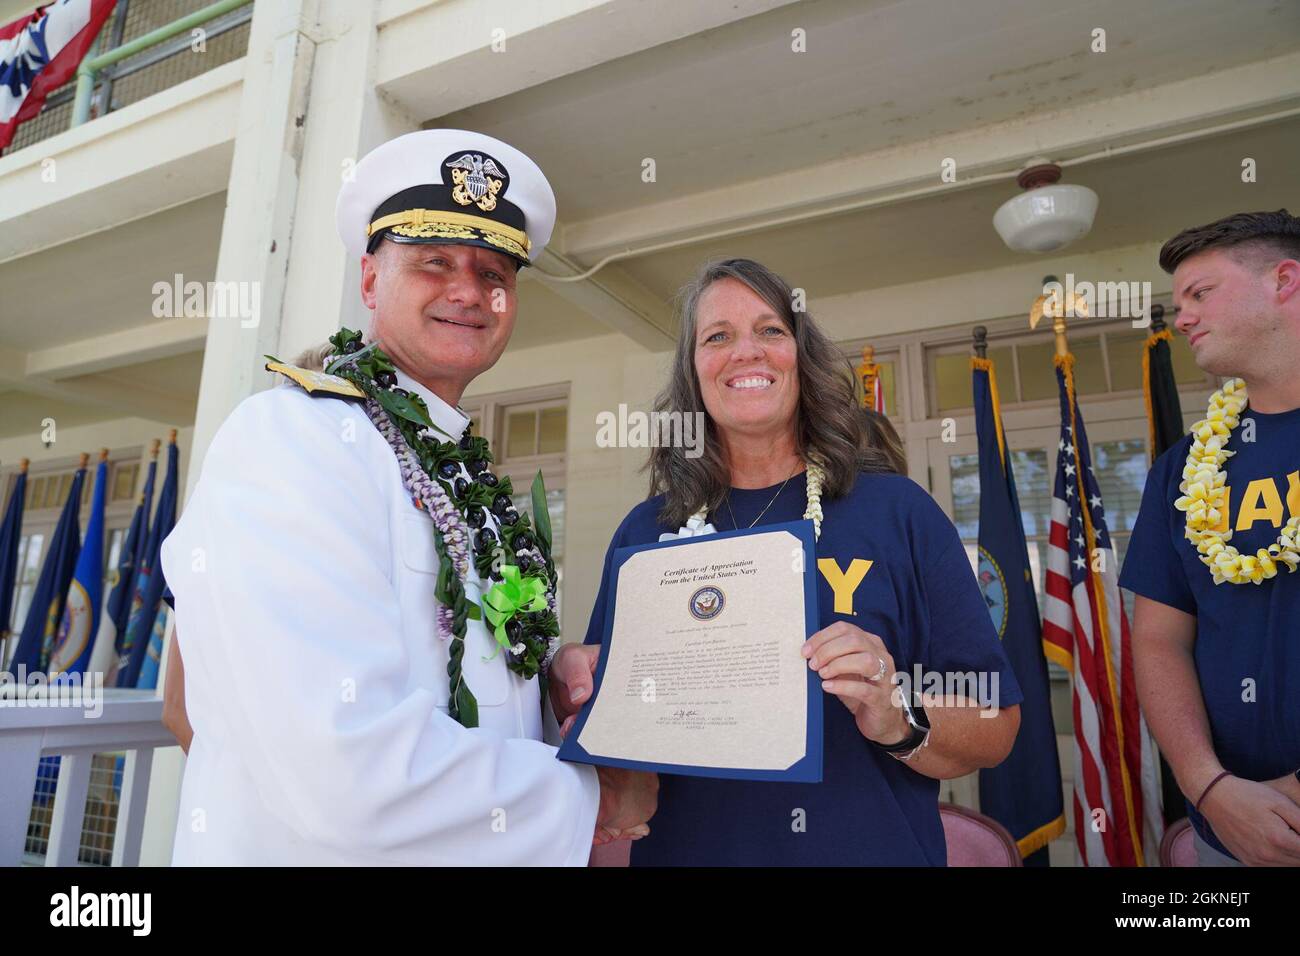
1037,372
49,492
124,482
554,427
1004,366
115,538
1038,369
1121,469
1030,469
952,381
1124,349
1033,488
1089,371
521,434
35,489
28,571
952,378
965,473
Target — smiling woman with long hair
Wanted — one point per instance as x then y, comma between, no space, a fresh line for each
895,591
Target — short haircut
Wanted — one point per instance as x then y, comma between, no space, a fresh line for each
1258,240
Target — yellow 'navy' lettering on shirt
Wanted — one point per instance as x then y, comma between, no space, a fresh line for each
844,583
1261,502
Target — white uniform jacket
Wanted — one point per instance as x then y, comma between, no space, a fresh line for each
315,681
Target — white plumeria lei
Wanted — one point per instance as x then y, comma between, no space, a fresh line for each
697,524
1204,494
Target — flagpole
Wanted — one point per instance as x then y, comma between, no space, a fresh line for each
1065,360
981,335
5,631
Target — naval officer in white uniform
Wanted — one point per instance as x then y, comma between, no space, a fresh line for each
304,576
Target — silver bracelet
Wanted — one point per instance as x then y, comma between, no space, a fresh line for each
925,741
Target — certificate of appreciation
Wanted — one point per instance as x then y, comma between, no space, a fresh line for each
700,668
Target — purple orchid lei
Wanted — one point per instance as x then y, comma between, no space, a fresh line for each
435,501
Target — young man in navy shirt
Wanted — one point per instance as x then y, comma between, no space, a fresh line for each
1217,639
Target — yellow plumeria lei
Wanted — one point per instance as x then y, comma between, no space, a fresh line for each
813,511
1204,495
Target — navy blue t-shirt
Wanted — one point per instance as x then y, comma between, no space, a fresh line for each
920,597
1247,636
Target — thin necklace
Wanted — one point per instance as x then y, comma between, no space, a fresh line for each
736,524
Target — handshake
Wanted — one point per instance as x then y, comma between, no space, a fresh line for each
628,798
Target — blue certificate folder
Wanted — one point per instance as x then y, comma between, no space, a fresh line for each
808,769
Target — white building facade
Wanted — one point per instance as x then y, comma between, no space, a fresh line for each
859,148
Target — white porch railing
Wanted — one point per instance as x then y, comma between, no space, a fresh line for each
130,721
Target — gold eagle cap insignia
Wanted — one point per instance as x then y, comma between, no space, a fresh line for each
476,180
312,380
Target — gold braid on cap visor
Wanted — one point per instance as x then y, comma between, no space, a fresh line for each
437,224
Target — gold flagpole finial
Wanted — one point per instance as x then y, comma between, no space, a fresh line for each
85,458
868,375
23,463
171,437
103,454
153,449
1056,304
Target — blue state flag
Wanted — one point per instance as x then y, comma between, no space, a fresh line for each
153,656
10,533
74,640
149,583
112,625
1024,792
46,610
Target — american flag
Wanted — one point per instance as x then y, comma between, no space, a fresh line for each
41,51
1117,817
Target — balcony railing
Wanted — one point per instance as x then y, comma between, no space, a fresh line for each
145,47
37,727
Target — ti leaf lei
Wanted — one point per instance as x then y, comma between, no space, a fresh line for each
520,604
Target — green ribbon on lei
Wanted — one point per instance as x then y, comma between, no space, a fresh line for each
508,597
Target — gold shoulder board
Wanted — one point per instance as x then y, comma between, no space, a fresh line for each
313,381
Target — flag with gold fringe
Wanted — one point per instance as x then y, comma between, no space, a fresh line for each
1023,793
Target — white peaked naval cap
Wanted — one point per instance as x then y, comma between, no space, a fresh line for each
447,186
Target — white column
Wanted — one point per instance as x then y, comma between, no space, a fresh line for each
307,105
